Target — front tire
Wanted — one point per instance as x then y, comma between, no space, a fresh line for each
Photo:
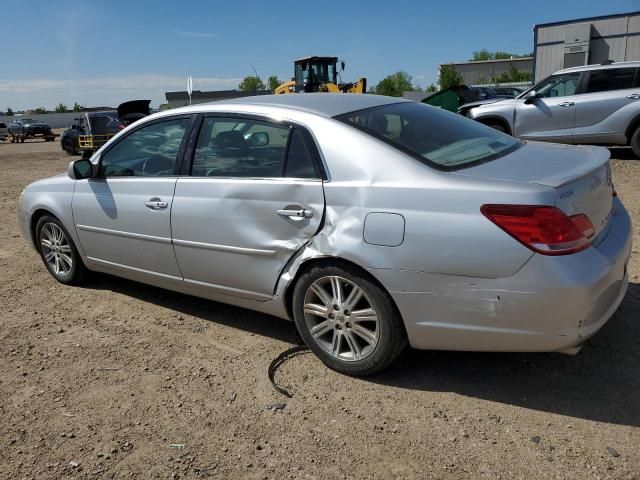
635,142
497,126
58,252
347,320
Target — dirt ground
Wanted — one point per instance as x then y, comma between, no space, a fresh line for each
121,380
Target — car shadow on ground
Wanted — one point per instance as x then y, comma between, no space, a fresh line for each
220,313
600,383
622,153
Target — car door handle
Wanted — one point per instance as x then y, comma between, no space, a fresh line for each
566,104
634,96
155,204
295,213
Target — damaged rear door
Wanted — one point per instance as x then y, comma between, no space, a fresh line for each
251,196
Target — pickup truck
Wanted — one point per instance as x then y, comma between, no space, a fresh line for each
22,128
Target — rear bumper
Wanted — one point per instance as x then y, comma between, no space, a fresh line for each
550,304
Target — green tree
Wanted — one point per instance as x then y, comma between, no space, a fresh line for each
512,75
41,110
449,76
431,88
251,84
9,112
273,82
394,84
484,54
61,108
77,107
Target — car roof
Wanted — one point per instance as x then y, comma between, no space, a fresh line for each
606,66
325,104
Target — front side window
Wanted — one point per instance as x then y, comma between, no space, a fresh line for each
148,151
610,79
439,138
244,148
558,86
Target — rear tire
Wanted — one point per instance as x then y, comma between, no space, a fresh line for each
347,320
58,252
635,142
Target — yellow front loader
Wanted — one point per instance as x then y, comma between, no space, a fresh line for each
319,74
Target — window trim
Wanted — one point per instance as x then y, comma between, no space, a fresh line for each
179,156
342,118
310,143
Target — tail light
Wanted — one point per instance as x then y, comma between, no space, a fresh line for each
546,230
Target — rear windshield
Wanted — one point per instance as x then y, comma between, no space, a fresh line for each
441,139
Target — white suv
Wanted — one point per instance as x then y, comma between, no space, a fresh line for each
594,104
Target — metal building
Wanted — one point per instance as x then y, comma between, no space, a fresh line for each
585,41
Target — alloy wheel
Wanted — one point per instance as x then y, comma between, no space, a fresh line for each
341,318
56,249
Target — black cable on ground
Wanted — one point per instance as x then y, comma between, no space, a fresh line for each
281,359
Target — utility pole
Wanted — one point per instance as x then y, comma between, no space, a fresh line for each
256,77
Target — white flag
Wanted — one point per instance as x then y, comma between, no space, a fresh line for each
189,87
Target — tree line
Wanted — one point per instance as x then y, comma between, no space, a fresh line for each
392,85
395,84
61,108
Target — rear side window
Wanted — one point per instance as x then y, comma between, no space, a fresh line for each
2,125
436,137
299,160
611,79
245,148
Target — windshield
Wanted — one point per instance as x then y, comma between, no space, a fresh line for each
323,72
439,138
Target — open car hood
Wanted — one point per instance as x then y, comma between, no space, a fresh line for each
133,110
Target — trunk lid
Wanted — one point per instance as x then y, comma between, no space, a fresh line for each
580,175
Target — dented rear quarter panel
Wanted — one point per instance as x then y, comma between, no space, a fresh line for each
445,233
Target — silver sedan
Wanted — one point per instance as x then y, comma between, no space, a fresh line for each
370,221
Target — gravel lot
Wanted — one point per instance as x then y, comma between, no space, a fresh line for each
121,380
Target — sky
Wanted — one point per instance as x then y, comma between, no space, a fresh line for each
104,53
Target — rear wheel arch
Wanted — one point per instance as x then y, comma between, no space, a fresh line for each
331,262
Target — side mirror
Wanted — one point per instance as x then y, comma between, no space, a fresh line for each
80,169
259,139
342,65
531,97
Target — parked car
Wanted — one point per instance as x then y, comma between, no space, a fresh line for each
593,104
4,132
371,221
93,129
104,125
21,129
508,92
460,96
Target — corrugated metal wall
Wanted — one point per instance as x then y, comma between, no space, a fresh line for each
616,39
